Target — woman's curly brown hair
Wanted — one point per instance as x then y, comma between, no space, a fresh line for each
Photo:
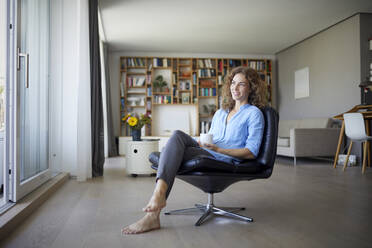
257,88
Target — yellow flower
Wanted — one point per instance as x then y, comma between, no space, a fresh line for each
132,121
125,117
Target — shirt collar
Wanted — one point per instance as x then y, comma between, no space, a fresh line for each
242,107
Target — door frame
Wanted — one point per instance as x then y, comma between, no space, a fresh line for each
20,188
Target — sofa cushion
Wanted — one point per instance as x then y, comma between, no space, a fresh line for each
286,125
283,141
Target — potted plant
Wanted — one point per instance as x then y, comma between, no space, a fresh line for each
163,86
136,123
159,83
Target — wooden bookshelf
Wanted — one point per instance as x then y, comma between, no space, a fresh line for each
189,81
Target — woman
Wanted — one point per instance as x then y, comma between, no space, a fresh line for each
237,131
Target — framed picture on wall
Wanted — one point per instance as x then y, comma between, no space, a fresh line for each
302,87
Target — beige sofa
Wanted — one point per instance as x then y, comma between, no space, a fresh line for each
307,138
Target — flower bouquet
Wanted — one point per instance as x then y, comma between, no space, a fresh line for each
136,123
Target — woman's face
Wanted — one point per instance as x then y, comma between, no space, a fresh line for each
239,88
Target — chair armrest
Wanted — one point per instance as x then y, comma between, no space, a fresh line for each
314,141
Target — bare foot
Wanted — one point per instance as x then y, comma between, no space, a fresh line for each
148,223
156,203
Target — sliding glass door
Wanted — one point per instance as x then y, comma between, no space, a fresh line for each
31,63
3,62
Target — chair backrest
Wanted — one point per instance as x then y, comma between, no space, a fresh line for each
267,152
354,126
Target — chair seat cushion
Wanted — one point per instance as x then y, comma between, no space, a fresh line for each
203,163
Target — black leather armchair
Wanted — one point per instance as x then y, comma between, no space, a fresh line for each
214,176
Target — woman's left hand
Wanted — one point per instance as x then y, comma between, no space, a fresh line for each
212,147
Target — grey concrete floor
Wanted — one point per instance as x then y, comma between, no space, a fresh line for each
310,205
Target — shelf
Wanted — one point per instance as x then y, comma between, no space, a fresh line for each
137,106
137,73
184,104
207,96
136,67
137,93
161,67
137,87
161,93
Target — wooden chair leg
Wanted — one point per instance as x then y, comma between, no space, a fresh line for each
347,156
369,143
364,157
369,153
342,131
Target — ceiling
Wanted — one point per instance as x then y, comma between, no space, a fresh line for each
219,26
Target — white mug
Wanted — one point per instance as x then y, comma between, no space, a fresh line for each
206,138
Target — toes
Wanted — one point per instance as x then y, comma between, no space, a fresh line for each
124,231
150,209
128,231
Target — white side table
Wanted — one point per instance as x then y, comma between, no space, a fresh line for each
137,156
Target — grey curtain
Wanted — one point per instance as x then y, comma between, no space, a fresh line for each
112,148
98,156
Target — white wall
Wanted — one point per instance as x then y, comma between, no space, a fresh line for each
69,78
333,58
114,66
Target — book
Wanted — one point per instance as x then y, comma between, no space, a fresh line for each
122,103
185,71
220,81
140,81
207,83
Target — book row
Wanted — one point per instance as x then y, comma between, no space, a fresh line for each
136,62
207,91
135,81
160,62
205,63
162,99
257,65
206,72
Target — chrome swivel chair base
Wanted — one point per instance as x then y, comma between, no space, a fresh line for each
211,209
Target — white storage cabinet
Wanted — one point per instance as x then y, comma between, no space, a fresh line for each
137,156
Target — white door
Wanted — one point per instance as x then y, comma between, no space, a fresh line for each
3,80
31,106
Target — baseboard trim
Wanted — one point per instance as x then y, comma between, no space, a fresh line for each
20,211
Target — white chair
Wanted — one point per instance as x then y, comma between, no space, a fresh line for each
355,130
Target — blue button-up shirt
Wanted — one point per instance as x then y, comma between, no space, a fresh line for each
244,130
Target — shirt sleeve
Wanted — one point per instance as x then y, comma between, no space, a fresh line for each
255,127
